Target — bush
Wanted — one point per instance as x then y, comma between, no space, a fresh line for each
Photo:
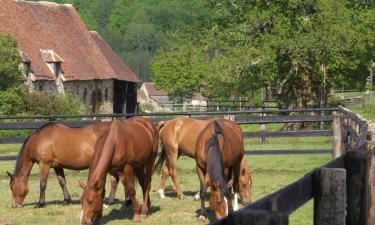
17,101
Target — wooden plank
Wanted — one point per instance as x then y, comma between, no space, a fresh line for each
293,196
287,199
302,133
8,158
329,196
288,152
12,140
36,125
253,217
337,129
285,119
357,163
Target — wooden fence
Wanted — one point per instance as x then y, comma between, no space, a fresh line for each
343,189
8,123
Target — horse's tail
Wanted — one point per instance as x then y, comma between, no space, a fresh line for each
214,160
160,162
163,154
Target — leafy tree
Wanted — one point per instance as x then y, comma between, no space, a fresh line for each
9,60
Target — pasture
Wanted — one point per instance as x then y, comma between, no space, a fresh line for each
272,173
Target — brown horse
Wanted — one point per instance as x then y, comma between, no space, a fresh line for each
178,136
218,148
129,146
57,146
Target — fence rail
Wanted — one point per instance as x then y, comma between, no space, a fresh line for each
342,195
241,117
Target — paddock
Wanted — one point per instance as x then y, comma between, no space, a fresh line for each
272,173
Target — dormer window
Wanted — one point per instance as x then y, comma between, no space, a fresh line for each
53,61
27,68
26,64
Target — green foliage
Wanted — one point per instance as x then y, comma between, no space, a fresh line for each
9,60
17,101
303,48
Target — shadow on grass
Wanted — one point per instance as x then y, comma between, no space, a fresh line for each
55,202
173,194
124,213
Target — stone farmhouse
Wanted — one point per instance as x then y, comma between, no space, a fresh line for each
60,55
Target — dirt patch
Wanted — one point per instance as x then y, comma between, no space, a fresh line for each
5,222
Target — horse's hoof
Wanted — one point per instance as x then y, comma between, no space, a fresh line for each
39,205
161,193
136,219
128,202
202,218
181,196
67,201
143,217
105,206
197,197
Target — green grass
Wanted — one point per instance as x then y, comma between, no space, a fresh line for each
271,174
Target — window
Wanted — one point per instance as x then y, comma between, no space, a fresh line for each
27,68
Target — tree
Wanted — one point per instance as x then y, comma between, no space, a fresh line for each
9,60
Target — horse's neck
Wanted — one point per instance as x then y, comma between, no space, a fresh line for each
25,168
102,161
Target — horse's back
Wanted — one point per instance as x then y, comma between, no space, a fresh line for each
182,133
59,145
134,141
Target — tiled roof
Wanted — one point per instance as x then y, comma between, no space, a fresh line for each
50,32
152,91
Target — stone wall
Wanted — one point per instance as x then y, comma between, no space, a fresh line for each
97,95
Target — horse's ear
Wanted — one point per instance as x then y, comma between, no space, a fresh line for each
10,175
82,184
230,184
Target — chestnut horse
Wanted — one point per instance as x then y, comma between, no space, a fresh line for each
129,146
218,148
57,146
179,135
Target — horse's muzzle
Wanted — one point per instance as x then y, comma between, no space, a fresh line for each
14,206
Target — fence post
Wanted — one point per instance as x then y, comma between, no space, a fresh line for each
263,128
357,164
254,217
371,149
329,196
337,129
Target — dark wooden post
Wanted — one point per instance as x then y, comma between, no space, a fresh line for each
357,164
337,129
371,149
254,217
329,196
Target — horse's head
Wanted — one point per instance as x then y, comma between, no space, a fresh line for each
218,202
245,183
92,204
18,185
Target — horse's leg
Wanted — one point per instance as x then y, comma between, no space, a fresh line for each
203,191
164,176
236,175
112,193
172,163
61,177
44,170
130,189
146,187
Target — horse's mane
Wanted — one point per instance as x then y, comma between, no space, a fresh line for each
19,161
215,166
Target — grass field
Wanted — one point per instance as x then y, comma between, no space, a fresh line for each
271,174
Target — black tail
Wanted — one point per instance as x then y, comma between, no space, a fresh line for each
214,160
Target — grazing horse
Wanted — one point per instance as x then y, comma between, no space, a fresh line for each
129,146
179,135
57,146
218,148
